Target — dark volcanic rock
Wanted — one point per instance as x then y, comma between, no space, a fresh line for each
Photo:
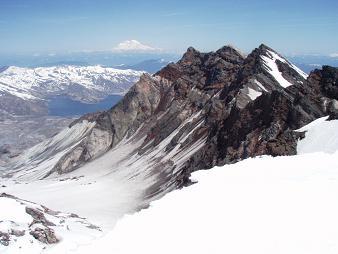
44,235
4,238
324,84
38,217
329,82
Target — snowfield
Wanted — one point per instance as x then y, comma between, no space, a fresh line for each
259,205
322,136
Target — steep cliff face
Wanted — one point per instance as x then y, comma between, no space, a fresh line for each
207,109
257,113
325,84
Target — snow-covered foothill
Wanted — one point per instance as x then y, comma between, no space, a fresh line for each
41,82
253,94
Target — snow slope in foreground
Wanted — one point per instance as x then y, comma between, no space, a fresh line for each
321,136
260,205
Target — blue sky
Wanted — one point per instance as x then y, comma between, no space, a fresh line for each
289,26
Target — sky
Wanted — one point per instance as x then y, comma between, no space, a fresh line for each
289,26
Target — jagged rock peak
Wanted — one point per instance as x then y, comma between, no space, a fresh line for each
192,50
271,53
263,49
145,77
230,54
190,56
264,46
229,49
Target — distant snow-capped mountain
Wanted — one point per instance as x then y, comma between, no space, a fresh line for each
88,84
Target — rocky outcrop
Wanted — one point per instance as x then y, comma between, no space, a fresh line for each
44,235
324,82
33,223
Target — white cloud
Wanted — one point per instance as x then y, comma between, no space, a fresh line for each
172,14
133,45
334,55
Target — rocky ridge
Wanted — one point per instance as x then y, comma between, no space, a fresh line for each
207,109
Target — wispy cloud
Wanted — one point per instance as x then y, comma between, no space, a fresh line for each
173,14
17,5
334,55
61,20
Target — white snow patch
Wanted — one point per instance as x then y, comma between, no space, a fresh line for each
334,55
12,211
320,136
272,68
253,94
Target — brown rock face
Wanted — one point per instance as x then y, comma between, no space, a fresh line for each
4,238
44,235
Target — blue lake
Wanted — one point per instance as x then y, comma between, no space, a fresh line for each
64,106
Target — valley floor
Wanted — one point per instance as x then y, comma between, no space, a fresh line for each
20,133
